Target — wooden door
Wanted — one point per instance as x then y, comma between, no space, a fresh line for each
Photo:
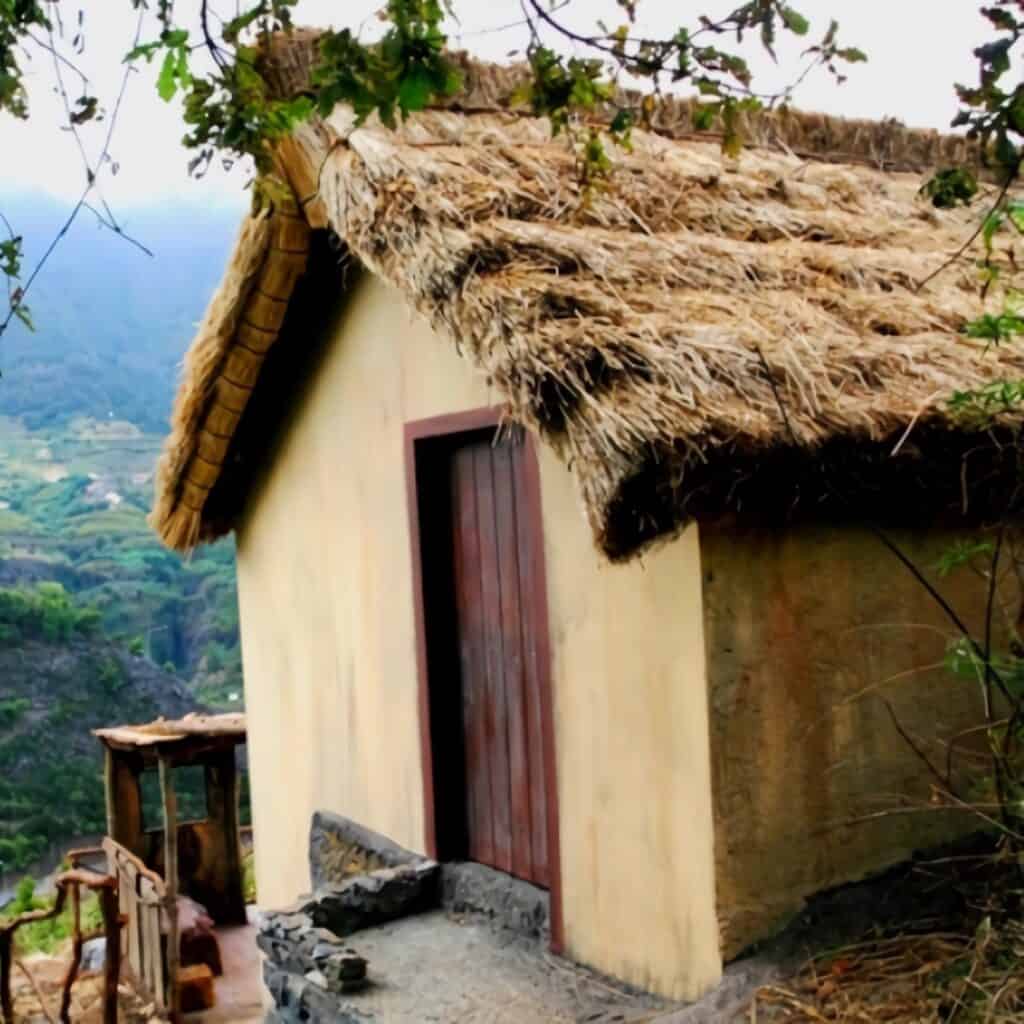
495,534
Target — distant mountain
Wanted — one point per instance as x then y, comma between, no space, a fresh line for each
111,322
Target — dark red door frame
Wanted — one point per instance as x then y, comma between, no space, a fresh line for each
442,426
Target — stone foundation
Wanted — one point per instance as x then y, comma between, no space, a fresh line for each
360,879
313,969
308,970
509,902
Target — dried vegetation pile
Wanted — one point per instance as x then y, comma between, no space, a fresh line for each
967,968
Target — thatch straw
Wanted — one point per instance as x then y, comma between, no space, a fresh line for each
223,365
886,145
672,334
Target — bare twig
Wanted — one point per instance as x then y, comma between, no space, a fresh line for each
955,258
19,295
651,65
944,781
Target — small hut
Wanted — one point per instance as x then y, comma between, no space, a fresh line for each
556,514
160,855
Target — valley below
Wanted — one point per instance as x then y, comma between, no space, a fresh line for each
99,623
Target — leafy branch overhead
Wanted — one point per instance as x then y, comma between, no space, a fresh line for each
211,57
231,111
214,62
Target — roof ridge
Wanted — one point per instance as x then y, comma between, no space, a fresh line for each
887,145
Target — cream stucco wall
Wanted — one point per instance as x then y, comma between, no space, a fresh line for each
329,652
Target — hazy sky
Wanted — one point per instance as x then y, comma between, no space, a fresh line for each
916,53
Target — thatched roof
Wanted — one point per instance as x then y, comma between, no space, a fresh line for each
702,337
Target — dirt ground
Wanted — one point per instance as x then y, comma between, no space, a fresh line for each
438,969
935,940
37,989
932,940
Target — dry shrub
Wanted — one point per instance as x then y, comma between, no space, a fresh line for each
968,969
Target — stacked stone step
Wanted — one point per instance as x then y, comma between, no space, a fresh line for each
308,969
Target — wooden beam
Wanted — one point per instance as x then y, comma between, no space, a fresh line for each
170,803
108,782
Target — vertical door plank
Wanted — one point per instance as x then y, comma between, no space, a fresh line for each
530,543
466,568
496,704
514,667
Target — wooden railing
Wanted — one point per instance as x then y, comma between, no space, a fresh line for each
144,907
70,882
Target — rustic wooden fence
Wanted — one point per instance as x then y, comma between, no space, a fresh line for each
69,883
143,903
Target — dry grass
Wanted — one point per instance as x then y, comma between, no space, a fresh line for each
968,971
36,991
693,315
222,366
671,334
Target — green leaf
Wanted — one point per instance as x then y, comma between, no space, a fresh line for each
1001,19
24,314
10,256
85,109
995,328
182,70
795,21
415,90
962,662
1015,211
146,50
621,122
704,116
175,38
993,222
1006,152
951,187
961,553
167,81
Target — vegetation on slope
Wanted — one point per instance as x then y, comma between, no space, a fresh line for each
62,678
90,602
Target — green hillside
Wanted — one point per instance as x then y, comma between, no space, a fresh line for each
84,402
63,677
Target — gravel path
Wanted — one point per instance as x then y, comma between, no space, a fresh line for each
435,968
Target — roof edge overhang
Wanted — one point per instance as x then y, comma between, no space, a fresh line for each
245,317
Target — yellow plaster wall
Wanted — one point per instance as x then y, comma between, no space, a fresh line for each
633,762
328,646
813,635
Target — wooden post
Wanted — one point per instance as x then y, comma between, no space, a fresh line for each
108,781
170,803
222,808
64,1013
112,963
6,955
124,800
